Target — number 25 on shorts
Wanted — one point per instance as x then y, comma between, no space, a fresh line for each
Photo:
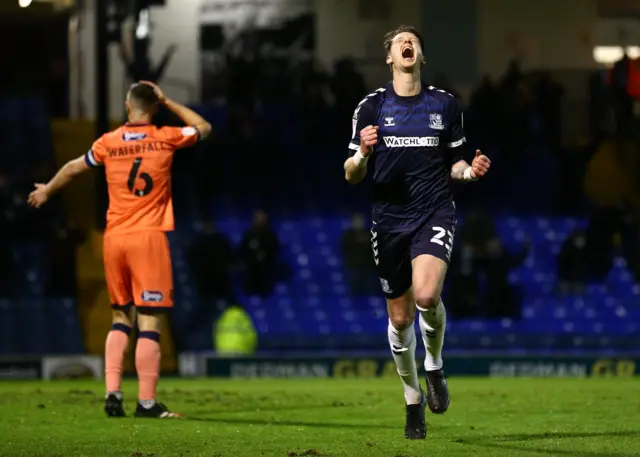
439,235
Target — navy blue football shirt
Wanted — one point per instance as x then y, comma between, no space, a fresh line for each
420,137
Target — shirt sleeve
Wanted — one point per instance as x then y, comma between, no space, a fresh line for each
96,155
182,137
455,134
363,116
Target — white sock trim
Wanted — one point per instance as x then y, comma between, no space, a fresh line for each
403,350
423,310
433,335
431,314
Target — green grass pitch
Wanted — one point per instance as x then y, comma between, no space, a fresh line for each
355,417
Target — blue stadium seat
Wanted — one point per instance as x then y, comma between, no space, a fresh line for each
315,310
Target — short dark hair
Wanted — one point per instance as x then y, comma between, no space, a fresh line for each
389,36
143,95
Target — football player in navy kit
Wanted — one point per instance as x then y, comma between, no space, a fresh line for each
411,135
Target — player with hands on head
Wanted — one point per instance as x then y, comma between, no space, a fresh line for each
137,158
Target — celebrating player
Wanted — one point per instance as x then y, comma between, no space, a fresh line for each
416,133
137,158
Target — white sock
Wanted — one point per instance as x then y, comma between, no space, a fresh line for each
147,404
403,349
433,324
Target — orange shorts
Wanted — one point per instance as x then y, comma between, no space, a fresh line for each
137,269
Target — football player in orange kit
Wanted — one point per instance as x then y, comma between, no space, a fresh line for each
137,158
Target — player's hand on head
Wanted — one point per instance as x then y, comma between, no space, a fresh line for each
156,89
480,165
368,139
39,196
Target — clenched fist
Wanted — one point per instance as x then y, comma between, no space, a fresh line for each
480,165
368,139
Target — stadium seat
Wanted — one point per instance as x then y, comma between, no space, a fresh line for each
315,311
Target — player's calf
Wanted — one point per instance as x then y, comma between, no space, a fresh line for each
432,326
402,342
428,276
148,367
115,348
148,358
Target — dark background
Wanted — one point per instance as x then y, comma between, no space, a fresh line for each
266,222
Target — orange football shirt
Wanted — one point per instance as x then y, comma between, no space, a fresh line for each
137,159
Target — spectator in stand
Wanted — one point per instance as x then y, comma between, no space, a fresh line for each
502,299
210,258
259,250
572,263
62,280
475,235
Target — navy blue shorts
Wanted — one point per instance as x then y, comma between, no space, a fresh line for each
393,252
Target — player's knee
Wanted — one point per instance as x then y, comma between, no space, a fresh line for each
149,335
402,311
150,322
122,317
401,322
401,318
426,300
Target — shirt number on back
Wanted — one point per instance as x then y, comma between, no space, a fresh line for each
134,174
439,235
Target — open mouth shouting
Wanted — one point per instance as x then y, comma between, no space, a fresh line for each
408,53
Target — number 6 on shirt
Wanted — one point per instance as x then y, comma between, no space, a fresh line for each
133,175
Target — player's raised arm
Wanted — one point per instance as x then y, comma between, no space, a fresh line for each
42,192
186,115
363,140
93,158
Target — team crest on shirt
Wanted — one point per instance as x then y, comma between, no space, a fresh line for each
435,121
133,136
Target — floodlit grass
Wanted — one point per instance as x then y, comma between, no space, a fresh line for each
237,418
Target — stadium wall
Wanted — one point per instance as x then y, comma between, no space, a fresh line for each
339,366
354,28
465,39
450,33
174,23
381,365
547,34
339,31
